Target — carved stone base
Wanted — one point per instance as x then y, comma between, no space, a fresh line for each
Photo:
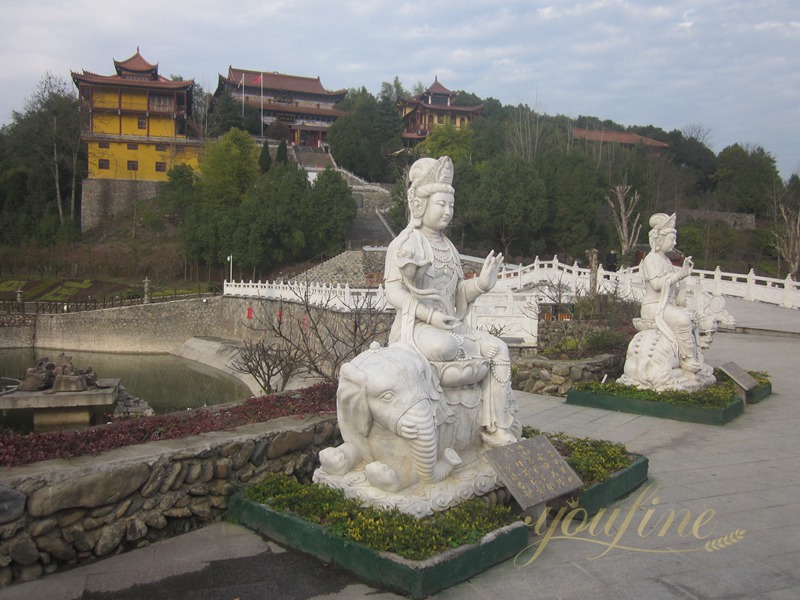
676,379
422,499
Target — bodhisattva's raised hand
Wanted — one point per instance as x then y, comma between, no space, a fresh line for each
489,271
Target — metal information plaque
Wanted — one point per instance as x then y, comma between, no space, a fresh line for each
740,377
533,471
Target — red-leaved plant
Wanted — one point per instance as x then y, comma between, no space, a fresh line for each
18,449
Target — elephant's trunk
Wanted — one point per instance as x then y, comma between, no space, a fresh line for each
425,447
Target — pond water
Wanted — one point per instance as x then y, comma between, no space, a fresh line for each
167,383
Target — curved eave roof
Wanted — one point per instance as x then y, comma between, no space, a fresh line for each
137,64
278,81
619,137
299,110
116,81
440,107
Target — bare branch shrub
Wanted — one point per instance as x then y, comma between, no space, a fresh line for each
266,362
315,334
622,210
787,236
592,323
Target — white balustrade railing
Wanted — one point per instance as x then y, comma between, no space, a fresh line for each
542,281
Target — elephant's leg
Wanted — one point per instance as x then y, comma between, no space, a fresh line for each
390,478
339,460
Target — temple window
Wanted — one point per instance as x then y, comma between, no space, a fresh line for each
161,167
132,146
160,103
142,122
133,165
103,163
161,147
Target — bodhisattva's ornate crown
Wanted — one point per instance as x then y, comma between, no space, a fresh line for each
431,170
663,223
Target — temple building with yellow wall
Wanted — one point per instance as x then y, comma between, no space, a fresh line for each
434,107
139,126
138,121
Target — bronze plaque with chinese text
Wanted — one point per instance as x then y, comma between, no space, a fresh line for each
533,471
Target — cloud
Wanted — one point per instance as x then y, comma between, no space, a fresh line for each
729,65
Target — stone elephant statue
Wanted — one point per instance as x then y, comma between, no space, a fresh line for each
388,409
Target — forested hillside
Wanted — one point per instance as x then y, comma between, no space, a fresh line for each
525,184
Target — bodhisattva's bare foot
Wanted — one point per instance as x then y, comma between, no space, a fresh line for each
498,437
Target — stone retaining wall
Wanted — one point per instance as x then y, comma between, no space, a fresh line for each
539,375
57,514
17,331
109,199
146,328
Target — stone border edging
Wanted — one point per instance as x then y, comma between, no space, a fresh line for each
58,514
677,412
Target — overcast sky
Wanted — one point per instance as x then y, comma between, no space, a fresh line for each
731,66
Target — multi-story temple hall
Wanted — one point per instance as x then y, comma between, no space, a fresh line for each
302,103
138,127
432,108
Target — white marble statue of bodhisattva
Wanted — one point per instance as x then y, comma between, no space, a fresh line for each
417,415
665,354
425,283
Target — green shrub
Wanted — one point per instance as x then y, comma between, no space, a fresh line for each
602,341
718,395
593,460
382,530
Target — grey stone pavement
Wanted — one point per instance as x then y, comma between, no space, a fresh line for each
739,484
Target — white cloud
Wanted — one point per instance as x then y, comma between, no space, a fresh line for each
731,66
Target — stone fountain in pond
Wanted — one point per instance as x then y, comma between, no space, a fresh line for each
64,396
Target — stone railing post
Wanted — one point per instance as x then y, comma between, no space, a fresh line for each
750,292
788,292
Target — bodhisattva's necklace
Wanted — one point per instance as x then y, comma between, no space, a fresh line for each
442,256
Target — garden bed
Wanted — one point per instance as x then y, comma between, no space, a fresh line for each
620,484
679,412
417,579
758,393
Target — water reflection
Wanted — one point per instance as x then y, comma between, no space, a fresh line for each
167,383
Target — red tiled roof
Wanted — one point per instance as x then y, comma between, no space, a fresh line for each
116,80
619,137
441,107
279,81
135,63
291,108
438,88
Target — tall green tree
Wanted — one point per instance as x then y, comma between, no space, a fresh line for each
447,140
366,139
514,207
282,155
228,169
264,159
44,141
331,211
746,179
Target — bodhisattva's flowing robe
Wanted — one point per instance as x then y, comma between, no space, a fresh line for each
439,283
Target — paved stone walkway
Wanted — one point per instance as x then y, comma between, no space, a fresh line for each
742,477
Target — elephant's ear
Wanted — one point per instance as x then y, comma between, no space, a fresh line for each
352,405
